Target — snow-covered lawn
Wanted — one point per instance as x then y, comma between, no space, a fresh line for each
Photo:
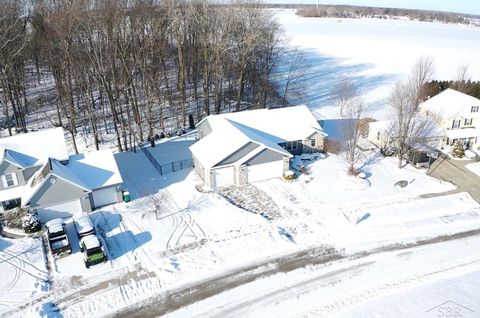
195,235
474,167
374,53
23,272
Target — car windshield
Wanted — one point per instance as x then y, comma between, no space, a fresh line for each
93,251
59,244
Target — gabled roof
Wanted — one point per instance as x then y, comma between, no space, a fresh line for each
96,169
450,103
228,137
281,124
88,171
36,146
265,127
19,159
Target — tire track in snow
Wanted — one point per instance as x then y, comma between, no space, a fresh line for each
21,266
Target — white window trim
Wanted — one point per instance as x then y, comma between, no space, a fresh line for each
292,145
5,181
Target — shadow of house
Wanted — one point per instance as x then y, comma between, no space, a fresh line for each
139,176
125,242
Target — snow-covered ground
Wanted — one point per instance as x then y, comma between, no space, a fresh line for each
374,53
23,272
172,236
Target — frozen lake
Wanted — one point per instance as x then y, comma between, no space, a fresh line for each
374,53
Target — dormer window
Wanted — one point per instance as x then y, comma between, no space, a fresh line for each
468,121
9,180
474,109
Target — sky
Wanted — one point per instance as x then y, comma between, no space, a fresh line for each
461,6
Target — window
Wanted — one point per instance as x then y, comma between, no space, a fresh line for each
9,180
474,109
456,124
312,142
378,135
468,121
292,145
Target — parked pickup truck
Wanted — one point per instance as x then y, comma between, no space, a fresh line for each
93,252
57,237
83,225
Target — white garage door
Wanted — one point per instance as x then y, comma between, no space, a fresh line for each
223,176
62,210
104,196
265,171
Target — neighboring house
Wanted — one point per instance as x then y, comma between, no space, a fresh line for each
458,114
37,173
383,134
243,147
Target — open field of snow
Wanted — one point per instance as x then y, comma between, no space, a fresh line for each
373,53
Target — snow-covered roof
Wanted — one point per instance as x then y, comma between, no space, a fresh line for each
463,133
83,223
449,103
35,147
19,159
89,171
90,241
280,124
55,225
96,169
265,127
228,137
64,172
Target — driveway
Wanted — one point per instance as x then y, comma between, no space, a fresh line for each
454,171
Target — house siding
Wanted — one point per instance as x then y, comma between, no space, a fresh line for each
264,156
58,192
5,168
29,172
307,145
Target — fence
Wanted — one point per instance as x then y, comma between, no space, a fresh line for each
168,167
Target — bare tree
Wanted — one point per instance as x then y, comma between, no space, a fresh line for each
352,107
408,127
463,78
422,72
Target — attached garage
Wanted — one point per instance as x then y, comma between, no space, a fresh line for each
265,165
105,196
62,210
264,171
223,176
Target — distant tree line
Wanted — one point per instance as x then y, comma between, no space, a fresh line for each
133,67
345,11
471,88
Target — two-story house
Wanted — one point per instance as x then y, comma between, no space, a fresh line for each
36,172
243,147
456,113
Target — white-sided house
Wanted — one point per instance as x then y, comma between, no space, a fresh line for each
458,115
37,173
244,147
